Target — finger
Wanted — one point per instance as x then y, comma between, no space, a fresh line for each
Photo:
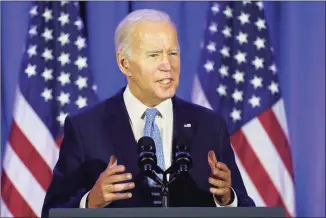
115,169
222,166
219,191
218,183
117,196
118,178
113,161
212,159
221,174
120,187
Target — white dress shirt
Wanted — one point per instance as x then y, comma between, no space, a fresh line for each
164,120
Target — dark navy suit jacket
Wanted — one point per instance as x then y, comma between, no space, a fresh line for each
92,136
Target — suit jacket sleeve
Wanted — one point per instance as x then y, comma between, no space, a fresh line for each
227,157
67,186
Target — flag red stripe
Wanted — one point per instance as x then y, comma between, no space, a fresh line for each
255,170
14,201
277,136
30,157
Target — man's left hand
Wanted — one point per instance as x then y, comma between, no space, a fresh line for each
220,180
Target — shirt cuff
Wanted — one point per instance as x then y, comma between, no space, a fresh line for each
234,203
82,203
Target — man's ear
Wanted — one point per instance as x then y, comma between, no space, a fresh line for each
123,64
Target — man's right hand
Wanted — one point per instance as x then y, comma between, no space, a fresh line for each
106,190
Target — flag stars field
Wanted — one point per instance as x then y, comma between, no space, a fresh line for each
240,83
55,81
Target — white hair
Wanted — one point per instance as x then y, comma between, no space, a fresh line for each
122,32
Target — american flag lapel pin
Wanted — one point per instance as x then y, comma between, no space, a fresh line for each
187,125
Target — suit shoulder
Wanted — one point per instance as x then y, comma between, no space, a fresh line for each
201,112
90,114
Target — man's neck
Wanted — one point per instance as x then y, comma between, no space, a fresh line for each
146,101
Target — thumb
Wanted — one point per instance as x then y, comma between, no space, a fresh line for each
212,159
113,161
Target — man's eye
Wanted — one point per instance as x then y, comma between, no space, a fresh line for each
174,53
153,55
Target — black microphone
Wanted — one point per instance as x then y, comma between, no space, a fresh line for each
183,159
147,158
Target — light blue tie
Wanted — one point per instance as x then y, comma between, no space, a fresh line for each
152,130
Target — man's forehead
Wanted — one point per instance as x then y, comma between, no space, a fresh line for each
155,35
150,28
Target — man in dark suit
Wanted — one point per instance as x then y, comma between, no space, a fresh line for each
98,162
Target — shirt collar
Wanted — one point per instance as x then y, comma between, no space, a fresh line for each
136,108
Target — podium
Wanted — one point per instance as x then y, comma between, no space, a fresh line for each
171,212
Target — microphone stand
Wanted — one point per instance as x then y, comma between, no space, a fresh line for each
165,191
164,183
150,169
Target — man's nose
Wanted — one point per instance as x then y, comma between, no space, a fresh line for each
165,64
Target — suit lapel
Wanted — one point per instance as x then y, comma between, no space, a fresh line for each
186,129
125,146
120,133
184,125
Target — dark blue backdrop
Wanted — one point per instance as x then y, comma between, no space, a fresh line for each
298,37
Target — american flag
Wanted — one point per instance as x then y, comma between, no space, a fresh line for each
54,82
237,77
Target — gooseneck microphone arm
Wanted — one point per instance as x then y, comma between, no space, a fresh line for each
147,162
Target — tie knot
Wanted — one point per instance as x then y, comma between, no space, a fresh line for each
151,113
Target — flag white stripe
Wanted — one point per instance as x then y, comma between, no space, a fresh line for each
4,210
250,187
273,165
23,180
278,109
35,130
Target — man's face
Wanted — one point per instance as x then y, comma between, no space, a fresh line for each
154,65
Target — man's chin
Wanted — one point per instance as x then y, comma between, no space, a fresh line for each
166,95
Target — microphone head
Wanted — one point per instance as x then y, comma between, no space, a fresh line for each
146,143
147,158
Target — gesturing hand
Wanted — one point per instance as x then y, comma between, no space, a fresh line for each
220,180
106,188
